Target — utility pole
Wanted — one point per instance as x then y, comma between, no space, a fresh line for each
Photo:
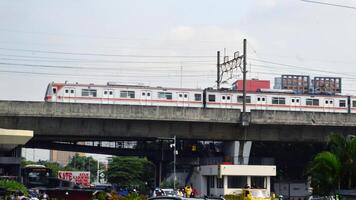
174,162
244,78
98,171
229,66
218,71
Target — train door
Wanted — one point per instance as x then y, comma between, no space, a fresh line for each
295,104
226,100
261,102
69,94
329,105
182,99
108,95
72,94
146,97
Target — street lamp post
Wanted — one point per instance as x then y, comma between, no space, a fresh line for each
174,162
174,158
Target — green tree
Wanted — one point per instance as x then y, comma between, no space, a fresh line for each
336,168
53,166
131,172
83,163
326,171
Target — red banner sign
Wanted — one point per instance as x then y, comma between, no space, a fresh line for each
81,178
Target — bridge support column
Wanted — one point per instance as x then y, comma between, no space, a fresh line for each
238,152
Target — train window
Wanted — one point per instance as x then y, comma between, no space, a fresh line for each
331,102
312,102
293,100
88,93
278,100
228,97
211,97
66,91
240,99
143,94
72,91
223,97
197,97
127,94
54,90
353,103
263,99
110,92
342,103
297,100
105,92
326,102
148,94
180,95
185,96
165,95
258,99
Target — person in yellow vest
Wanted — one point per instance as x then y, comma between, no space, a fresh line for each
188,190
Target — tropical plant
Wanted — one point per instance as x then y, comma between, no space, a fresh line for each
326,171
336,168
13,186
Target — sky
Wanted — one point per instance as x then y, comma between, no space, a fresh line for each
169,43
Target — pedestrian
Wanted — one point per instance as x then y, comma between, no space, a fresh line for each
188,191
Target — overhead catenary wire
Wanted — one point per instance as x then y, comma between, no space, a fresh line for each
330,4
299,67
107,55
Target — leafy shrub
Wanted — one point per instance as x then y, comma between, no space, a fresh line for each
12,185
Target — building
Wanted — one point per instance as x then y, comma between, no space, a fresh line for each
298,83
327,85
10,151
62,157
216,180
251,85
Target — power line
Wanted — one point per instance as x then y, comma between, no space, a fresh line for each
269,67
299,67
103,75
330,4
48,59
107,55
106,37
92,68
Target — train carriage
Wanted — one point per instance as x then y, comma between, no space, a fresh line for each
112,93
277,101
123,94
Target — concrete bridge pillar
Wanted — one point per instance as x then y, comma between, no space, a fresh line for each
238,152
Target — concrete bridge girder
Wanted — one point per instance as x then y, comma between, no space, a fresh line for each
64,121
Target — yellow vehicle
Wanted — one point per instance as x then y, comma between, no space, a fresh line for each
255,194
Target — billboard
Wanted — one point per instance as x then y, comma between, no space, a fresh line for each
78,177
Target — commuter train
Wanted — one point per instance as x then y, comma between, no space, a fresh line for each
208,98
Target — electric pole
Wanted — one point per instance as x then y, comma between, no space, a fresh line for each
218,71
244,78
230,66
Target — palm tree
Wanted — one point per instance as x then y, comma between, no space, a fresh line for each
336,168
345,149
325,171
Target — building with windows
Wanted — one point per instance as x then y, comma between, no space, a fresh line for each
216,180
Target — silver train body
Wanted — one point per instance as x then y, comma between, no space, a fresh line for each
208,98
